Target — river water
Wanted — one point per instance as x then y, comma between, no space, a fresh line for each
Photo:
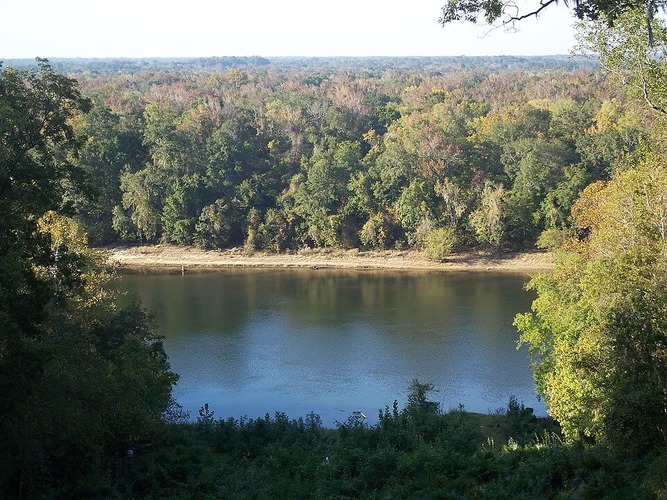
250,342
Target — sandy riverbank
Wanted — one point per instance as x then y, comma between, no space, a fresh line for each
190,257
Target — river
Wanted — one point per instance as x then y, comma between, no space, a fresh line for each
250,342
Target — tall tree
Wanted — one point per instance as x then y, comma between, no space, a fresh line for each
598,328
109,148
78,376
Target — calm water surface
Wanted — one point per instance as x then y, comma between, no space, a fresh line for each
250,342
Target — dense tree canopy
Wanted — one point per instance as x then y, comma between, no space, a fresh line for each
295,158
79,377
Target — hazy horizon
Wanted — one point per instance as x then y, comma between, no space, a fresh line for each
130,58
267,28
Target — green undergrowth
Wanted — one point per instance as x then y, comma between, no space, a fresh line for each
416,452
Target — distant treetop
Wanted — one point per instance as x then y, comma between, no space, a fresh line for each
125,65
432,64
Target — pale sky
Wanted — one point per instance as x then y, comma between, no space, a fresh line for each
202,28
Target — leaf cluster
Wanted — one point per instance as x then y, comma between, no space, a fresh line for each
509,13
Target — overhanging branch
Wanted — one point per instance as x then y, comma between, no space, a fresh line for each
543,5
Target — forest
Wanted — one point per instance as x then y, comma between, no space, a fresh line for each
279,155
284,158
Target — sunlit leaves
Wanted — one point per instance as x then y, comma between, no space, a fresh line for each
487,219
598,328
632,52
628,214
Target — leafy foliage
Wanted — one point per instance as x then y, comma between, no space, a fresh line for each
363,157
413,452
439,243
80,378
632,52
508,14
598,326
598,330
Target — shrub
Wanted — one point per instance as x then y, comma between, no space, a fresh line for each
440,242
552,238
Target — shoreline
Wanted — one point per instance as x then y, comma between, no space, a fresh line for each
192,258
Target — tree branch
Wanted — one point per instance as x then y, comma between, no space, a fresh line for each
543,5
647,98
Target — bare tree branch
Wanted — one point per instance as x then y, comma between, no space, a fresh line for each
543,5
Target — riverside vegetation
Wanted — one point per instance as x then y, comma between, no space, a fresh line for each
414,452
316,156
277,157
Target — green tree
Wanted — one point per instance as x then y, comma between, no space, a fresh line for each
182,207
143,201
413,211
109,147
322,199
598,329
79,377
213,229
487,219
239,172
273,232
628,56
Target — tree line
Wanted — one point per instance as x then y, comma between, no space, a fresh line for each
129,65
284,159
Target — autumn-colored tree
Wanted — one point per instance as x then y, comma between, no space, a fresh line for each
598,329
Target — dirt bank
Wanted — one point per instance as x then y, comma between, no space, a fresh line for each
190,257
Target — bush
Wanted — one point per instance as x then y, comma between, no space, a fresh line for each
552,238
440,242
375,232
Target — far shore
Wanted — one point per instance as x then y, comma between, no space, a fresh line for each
191,258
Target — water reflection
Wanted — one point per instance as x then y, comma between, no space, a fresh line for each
255,341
